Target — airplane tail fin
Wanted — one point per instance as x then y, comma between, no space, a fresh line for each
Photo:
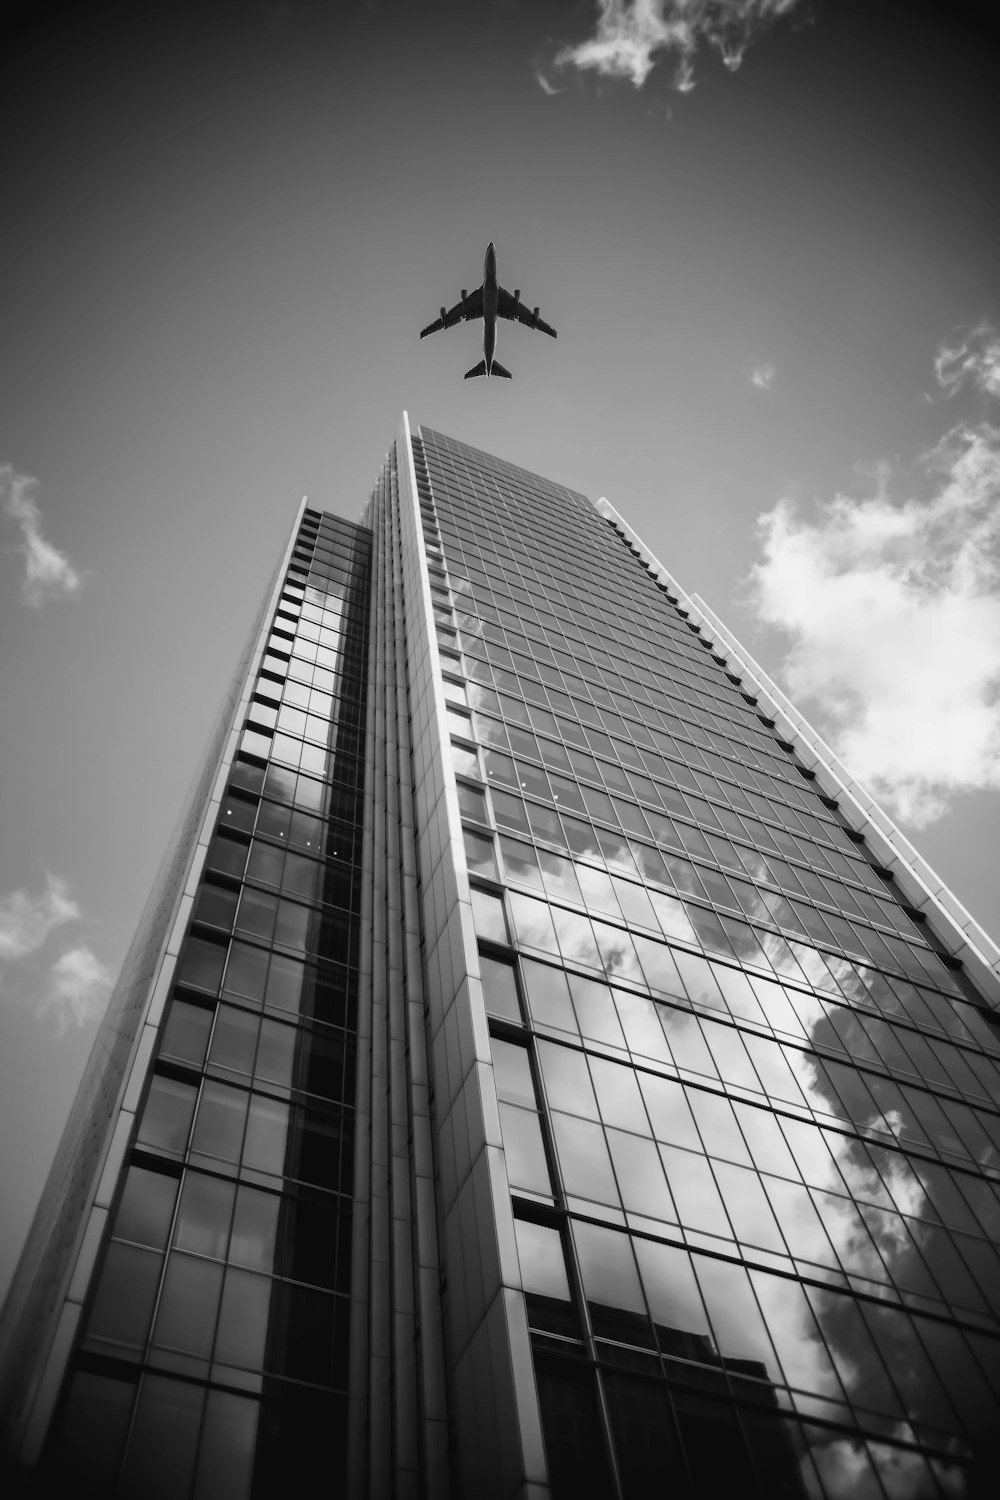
499,370
479,369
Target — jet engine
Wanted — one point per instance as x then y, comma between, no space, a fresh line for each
517,296
444,312
535,313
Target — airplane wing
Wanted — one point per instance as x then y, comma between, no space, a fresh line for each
470,308
515,310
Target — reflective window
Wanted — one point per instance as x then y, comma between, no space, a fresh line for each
126,1291
499,988
166,1118
255,1228
226,1449
267,1132
488,916
527,1167
480,855
243,1319
185,1319
146,1208
512,1071
185,1035
611,1284
221,1116
204,1216
161,1451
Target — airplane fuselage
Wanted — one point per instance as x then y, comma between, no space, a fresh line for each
491,299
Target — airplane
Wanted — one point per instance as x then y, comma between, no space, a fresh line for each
489,302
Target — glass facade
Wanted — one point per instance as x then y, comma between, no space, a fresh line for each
547,1090
214,1349
749,1109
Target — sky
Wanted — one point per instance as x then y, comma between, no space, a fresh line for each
768,234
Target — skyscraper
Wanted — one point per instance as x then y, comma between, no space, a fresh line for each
539,1068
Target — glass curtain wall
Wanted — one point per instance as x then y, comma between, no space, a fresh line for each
751,1114
214,1354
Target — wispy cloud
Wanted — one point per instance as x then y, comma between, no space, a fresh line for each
48,572
894,615
78,989
632,34
973,360
544,84
26,921
763,377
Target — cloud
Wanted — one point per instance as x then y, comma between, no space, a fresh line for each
544,84
763,377
48,572
894,615
26,921
78,989
975,358
631,33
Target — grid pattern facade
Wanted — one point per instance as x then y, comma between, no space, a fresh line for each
542,1090
749,1111
215,1345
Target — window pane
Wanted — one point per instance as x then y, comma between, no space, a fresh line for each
166,1119
480,855
257,913
284,983
146,1207
205,1211
219,1128
202,964
512,1071
125,1295
611,1284
739,1328
567,1080
682,1328
520,862
267,1131
160,1455
695,1192
576,938
618,953
533,923
499,988
92,1431
543,1265
472,803
276,1052
595,1011
243,1320
255,1229
292,925
618,1095
548,995
186,1316
226,1451
527,1167
717,1124
488,916
235,1040
583,1157
185,1035
465,761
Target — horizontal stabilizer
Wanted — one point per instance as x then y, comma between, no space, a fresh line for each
479,369
499,370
